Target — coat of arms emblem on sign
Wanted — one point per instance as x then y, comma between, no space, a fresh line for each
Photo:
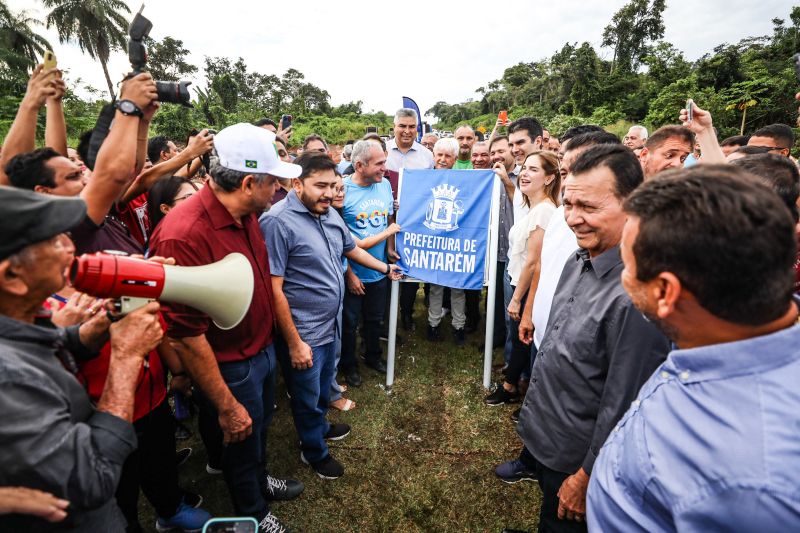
443,209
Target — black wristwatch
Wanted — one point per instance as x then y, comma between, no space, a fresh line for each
388,269
126,107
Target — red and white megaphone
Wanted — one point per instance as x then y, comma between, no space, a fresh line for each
223,290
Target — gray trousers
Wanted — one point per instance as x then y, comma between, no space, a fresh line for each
458,303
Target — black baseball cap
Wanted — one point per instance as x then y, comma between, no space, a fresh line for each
30,217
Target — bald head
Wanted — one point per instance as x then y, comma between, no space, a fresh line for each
465,136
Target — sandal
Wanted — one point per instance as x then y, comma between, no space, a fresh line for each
343,404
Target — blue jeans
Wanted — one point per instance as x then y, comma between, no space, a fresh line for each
252,383
310,390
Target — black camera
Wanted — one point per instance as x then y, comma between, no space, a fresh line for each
168,91
172,92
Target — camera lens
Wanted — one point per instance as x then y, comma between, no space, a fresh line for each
173,92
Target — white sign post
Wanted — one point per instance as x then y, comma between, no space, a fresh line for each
489,279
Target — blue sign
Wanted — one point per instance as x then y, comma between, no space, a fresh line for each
445,219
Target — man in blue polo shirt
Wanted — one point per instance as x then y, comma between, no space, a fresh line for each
368,205
306,240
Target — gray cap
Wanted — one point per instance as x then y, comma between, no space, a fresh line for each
29,217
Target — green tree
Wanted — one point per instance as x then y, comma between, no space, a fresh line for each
585,93
632,28
744,95
20,45
98,26
166,60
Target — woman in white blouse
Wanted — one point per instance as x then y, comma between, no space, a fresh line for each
540,184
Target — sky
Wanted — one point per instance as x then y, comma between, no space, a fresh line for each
378,51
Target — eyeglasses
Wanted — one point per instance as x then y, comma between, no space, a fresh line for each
771,148
180,198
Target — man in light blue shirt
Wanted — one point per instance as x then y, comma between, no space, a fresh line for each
710,444
368,207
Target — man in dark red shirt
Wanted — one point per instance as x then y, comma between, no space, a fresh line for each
234,369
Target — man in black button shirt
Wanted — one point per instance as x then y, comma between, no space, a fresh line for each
597,350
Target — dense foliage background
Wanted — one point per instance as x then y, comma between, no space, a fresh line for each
745,85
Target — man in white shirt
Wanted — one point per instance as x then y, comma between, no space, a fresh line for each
405,152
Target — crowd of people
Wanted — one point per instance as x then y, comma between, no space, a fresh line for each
646,318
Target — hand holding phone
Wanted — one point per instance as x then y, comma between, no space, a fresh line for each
50,60
286,122
502,116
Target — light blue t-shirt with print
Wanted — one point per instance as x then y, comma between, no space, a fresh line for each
366,213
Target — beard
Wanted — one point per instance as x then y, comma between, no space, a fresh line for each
669,331
314,206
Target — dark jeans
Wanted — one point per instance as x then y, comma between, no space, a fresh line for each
408,295
252,383
473,307
152,467
370,306
508,293
550,482
499,309
310,390
522,354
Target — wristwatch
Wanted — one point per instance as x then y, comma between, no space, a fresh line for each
126,107
388,269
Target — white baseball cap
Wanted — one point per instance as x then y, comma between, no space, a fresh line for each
247,148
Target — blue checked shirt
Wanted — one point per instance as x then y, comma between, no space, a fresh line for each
711,444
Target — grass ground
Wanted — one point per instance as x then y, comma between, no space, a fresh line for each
418,459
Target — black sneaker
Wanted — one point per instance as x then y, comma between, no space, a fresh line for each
459,336
501,396
182,455
433,333
376,364
514,471
182,432
281,489
337,432
271,524
191,499
326,468
515,415
353,378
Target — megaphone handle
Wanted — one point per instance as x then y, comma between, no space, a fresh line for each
128,304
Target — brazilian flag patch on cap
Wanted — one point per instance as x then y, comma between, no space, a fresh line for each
249,163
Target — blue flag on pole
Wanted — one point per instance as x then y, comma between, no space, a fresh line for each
411,104
445,218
